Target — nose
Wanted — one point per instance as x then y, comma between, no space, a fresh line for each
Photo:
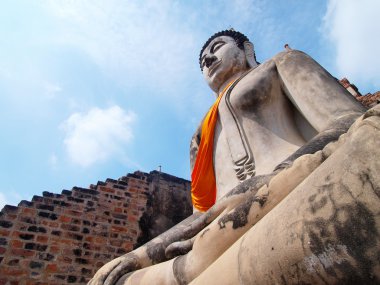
209,60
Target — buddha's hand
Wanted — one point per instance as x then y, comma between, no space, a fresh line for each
237,196
148,254
113,270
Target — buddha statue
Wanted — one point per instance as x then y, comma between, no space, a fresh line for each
272,127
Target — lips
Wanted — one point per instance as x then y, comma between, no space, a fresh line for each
213,67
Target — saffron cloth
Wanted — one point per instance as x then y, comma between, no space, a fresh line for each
203,184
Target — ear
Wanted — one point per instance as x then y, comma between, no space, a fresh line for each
250,54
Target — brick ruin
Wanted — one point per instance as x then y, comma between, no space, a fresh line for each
64,238
368,100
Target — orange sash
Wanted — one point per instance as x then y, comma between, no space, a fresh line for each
203,184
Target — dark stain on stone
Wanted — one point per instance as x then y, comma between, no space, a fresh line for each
205,231
197,225
283,279
312,198
162,208
365,178
317,205
126,266
179,268
156,252
239,216
178,248
357,232
252,184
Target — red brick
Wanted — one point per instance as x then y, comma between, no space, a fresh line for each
73,213
53,224
118,229
42,239
99,264
16,244
100,240
54,249
132,219
2,250
127,244
89,239
22,252
52,268
65,219
16,234
6,271
4,233
108,190
29,211
11,216
64,259
116,242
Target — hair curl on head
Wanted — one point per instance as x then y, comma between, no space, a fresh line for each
237,36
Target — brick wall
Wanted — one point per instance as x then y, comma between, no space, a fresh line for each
369,100
64,238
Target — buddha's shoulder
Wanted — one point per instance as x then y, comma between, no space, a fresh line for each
289,55
284,56
295,57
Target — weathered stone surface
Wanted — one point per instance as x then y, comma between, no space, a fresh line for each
316,222
166,206
326,231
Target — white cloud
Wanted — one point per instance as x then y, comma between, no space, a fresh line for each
353,27
97,135
138,39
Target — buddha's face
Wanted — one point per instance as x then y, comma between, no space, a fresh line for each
222,59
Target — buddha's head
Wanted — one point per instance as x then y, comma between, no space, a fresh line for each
225,54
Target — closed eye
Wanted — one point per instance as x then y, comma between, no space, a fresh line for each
216,46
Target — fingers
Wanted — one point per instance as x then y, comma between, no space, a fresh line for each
128,264
101,275
283,165
179,248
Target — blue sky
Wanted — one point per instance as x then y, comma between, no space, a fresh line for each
96,89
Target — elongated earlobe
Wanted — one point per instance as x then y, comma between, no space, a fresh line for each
250,54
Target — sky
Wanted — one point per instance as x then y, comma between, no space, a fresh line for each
96,89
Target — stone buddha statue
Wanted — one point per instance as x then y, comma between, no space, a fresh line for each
271,111
273,126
